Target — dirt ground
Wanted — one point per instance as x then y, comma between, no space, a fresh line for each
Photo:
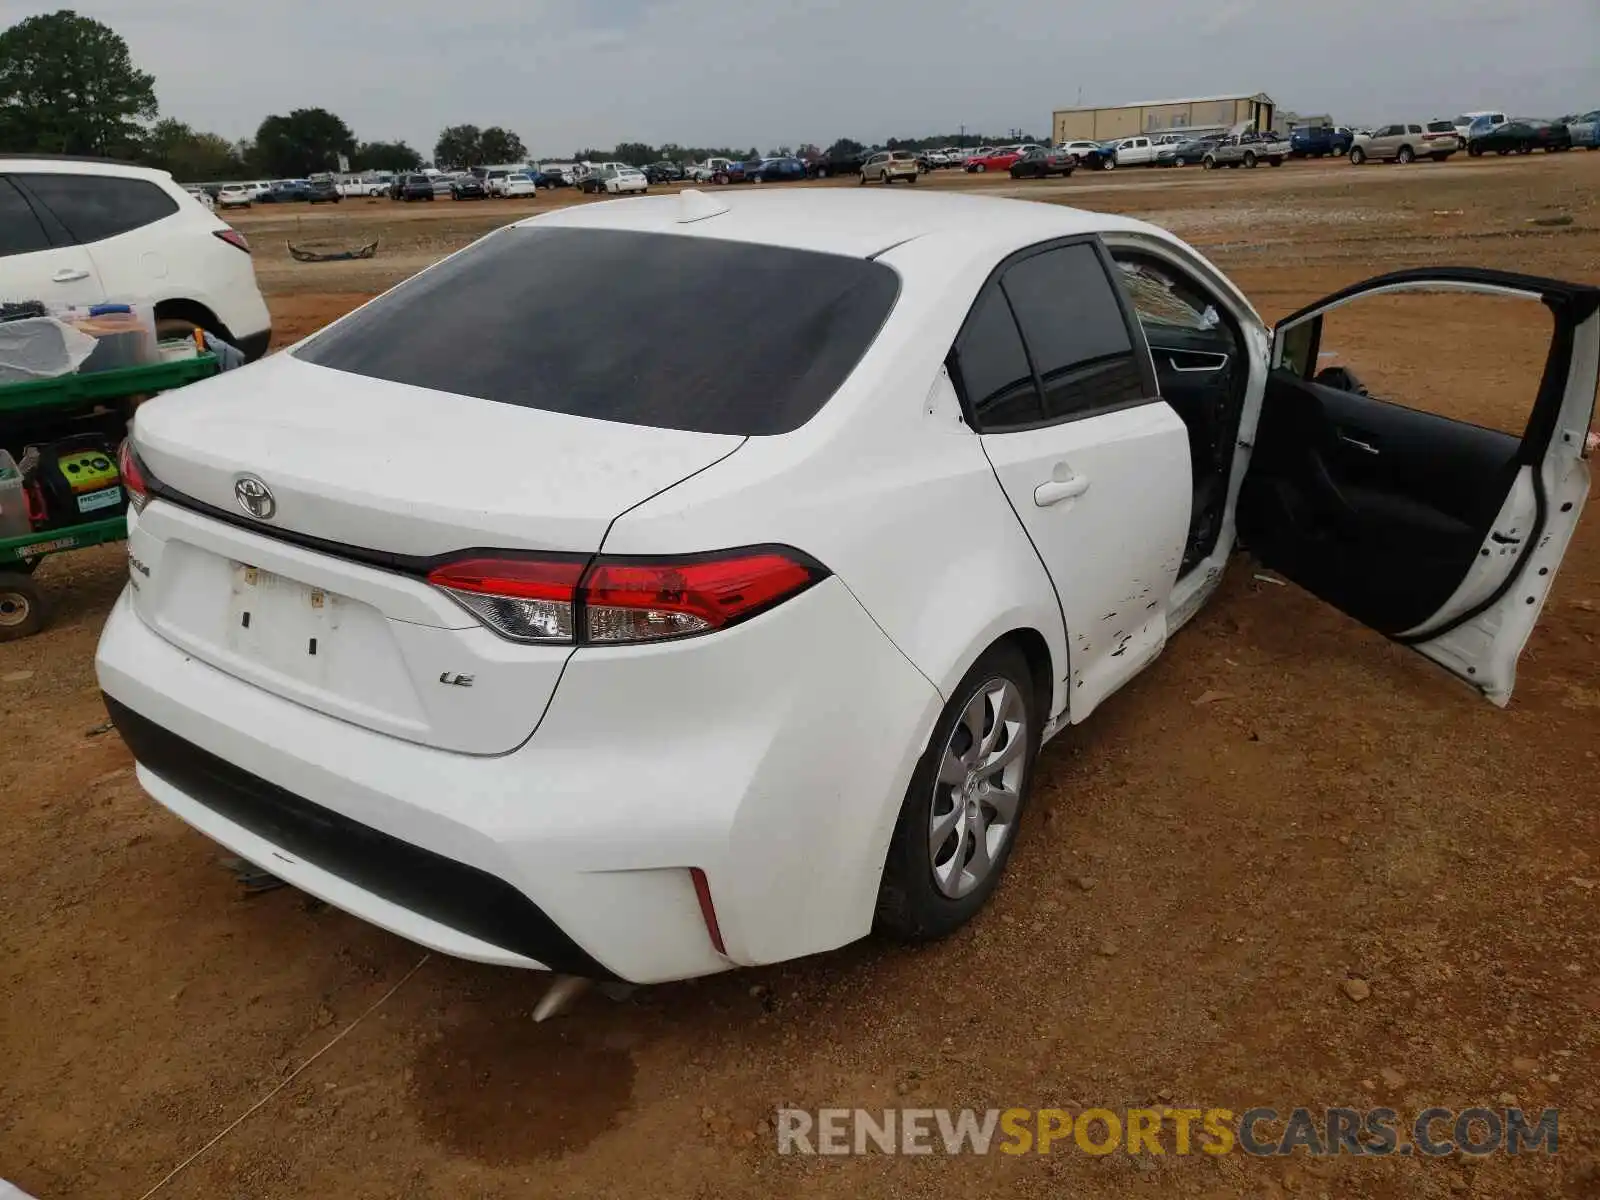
1282,802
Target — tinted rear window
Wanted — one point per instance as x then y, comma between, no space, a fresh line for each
20,231
645,328
1441,127
94,207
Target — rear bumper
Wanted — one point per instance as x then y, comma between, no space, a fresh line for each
772,756
473,911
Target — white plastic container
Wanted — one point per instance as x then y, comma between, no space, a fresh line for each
13,501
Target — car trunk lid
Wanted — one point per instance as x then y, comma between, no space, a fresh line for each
320,596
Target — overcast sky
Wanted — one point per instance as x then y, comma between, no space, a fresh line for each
570,73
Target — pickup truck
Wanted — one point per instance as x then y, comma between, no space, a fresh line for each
1316,141
1246,150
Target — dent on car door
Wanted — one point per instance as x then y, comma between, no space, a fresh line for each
1440,533
1052,372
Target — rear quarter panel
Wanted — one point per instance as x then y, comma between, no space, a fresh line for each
180,258
891,490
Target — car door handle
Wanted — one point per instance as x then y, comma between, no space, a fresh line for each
1058,490
69,275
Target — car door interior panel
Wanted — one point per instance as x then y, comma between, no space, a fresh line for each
1377,508
1383,510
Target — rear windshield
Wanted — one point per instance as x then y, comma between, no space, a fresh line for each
655,329
1441,127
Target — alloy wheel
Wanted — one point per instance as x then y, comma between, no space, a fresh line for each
978,790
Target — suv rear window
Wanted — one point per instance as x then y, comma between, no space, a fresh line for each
1441,127
96,207
666,330
20,231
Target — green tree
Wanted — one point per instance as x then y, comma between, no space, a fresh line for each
306,141
69,86
459,146
385,156
844,148
635,154
498,145
191,157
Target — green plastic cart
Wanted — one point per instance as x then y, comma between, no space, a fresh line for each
22,610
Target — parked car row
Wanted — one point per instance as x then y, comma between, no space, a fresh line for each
1477,133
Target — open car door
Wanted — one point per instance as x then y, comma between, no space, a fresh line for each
1443,535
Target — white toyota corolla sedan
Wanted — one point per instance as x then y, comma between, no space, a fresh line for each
668,585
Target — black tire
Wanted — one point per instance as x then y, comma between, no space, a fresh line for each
1250,159
981,168
170,328
1108,164
22,608
1274,162
1357,156
861,179
1439,157
1404,155
1209,163
1474,151
910,905
885,178
911,179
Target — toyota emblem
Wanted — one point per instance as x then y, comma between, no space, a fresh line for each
255,497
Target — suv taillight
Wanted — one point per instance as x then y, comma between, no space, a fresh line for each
234,238
614,601
135,479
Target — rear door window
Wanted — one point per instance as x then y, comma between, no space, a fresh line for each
20,230
96,207
1076,331
665,330
993,366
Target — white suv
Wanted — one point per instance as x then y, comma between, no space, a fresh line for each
83,231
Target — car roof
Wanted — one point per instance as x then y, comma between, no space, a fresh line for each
836,221
36,165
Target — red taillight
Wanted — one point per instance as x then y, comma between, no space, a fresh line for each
525,599
617,600
234,238
134,479
641,601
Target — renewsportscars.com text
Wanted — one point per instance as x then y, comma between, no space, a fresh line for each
1432,1132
